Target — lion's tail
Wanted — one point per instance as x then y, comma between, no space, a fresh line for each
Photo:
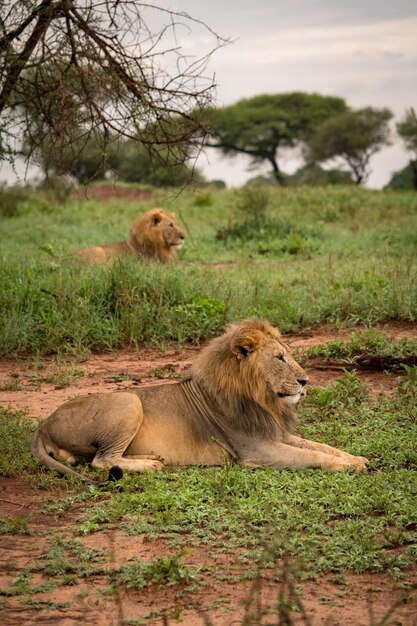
38,449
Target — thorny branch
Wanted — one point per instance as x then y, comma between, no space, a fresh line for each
72,70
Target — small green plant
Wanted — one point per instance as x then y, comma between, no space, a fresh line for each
347,390
15,433
368,341
165,372
161,571
14,526
409,385
203,200
11,199
252,201
62,377
119,377
69,558
296,243
206,313
13,384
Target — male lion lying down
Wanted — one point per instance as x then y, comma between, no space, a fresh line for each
155,235
237,405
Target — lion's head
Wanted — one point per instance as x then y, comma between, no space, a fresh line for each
250,362
156,234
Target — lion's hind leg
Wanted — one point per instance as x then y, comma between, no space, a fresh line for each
65,456
125,415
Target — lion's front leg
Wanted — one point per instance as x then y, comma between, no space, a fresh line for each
360,461
286,456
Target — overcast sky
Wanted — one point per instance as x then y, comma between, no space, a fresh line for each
363,51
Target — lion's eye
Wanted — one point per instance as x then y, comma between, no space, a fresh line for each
282,358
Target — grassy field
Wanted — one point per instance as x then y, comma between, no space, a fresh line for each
217,527
300,257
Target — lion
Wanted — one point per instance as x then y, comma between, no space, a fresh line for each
237,405
155,235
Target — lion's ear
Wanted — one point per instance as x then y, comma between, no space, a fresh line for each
156,219
242,346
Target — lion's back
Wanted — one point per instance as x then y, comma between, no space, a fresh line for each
102,254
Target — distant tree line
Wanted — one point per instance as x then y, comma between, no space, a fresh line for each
96,86
335,142
325,130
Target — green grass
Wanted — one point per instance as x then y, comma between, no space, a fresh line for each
161,571
267,526
340,255
329,522
368,341
15,433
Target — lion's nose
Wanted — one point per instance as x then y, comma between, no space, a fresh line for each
302,381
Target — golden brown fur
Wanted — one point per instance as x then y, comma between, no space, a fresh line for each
155,235
237,405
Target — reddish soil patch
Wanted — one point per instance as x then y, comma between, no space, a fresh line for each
41,391
38,388
108,192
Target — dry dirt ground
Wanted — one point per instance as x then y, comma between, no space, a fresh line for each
41,389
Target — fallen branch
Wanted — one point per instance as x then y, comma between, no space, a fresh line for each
19,504
369,362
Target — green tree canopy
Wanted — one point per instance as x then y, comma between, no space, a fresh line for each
263,126
407,129
402,179
126,159
312,174
132,162
354,137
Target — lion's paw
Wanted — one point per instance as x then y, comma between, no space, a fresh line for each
151,465
360,462
351,462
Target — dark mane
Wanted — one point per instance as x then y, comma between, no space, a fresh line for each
224,423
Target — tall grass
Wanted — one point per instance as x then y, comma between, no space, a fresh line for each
62,309
339,255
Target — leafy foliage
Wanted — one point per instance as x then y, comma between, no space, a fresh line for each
15,433
404,178
407,129
264,125
354,136
369,341
409,385
161,571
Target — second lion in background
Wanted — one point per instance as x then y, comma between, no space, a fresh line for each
156,235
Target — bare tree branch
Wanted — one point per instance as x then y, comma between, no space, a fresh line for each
74,69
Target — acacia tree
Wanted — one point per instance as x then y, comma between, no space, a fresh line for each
407,129
71,70
354,137
263,126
